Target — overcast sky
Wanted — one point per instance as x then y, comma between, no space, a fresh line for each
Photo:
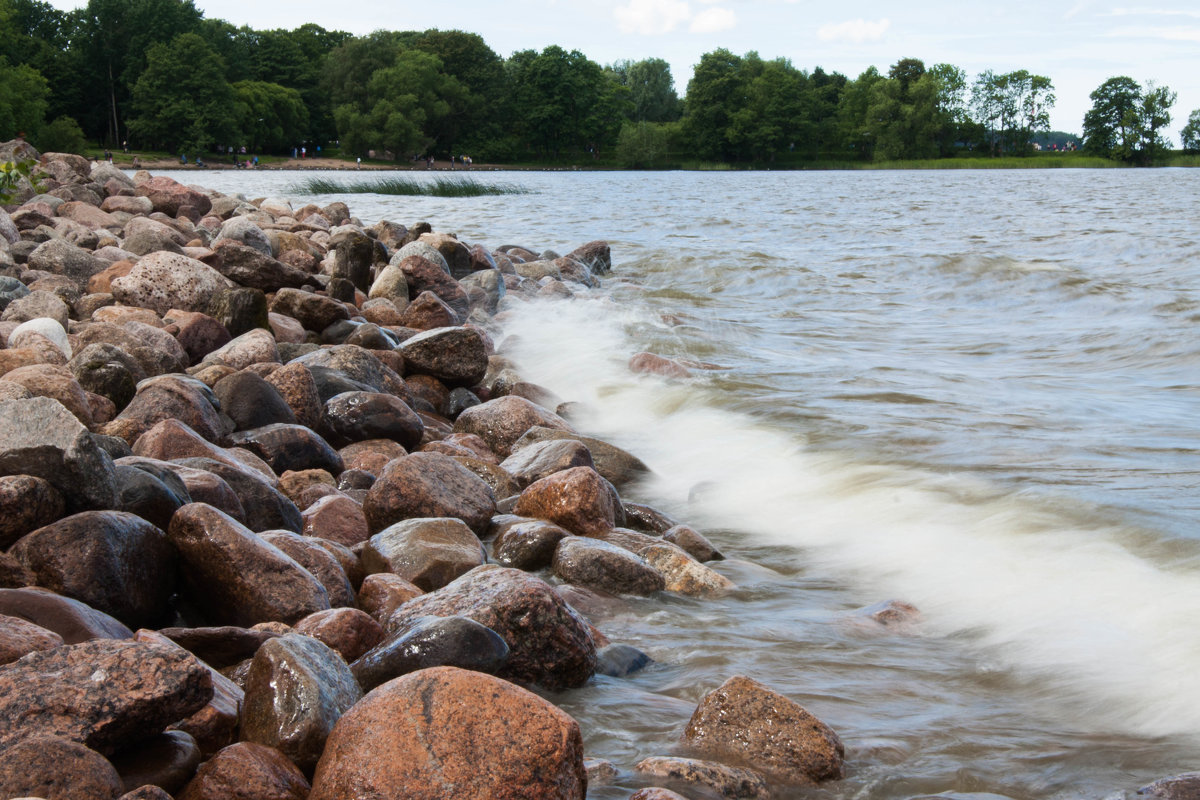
1078,44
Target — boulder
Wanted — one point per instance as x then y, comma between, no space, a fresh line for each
431,642
359,416
546,458
26,504
746,722
143,687
252,402
599,565
319,562
266,508
549,643
163,281
168,196
248,266
426,312
167,761
60,257
289,447
428,485
252,347
503,421
40,437
577,499
445,732
423,275
428,552
20,637
707,776
336,518
528,544
53,768
296,691
619,467
315,312
349,631
384,592
72,620
114,561
237,578
455,356
247,771
177,398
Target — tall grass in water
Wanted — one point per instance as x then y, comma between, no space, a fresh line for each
439,187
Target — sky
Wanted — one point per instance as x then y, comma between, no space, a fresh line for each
1078,44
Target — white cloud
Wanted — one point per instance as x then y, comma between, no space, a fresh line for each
651,17
1152,12
1166,34
713,20
855,30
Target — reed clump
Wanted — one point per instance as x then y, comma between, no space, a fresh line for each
438,187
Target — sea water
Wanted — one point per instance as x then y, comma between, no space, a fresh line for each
974,392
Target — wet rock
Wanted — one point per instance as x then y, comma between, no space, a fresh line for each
652,364
620,660
600,565
144,688
235,576
19,637
446,732
354,255
319,562
502,422
206,487
549,643
171,439
55,768
26,504
618,466
221,646
431,642
252,402
355,364
289,447
348,631
460,400
168,760
693,543
600,772
265,507
577,499
428,485
655,793
423,275
650,520
596,256
427,312
371,455
455,356
546,458
685,575
247,771
296,691
358,416
148,792
177,398
708,776
72,620
528,545
745,721
1177,787
114,561
430,552
315,312
162,281
384,592
40,437
150,492
336,518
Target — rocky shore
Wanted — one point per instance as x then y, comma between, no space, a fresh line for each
279,520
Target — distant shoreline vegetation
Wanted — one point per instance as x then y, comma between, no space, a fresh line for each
439,187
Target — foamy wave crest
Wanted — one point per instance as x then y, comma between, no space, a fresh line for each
1053,597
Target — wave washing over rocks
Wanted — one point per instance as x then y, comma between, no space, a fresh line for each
278,521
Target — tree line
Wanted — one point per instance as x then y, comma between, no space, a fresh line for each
156,74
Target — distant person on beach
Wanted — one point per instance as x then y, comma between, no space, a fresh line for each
360,162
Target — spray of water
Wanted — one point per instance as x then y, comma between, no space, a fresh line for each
1045,593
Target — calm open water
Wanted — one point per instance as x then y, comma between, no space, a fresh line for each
977,392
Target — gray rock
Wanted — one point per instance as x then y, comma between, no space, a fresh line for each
431,642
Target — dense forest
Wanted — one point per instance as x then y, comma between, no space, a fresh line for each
156,75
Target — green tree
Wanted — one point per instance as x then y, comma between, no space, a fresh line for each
1190,135
1154,114
651,89
271,117
23,100
856,133
1012,108
114,38
182,100
714,94
557,99
642,145
475,114
63,135
1125,120
769,120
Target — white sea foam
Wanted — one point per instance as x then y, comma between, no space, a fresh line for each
1045,594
